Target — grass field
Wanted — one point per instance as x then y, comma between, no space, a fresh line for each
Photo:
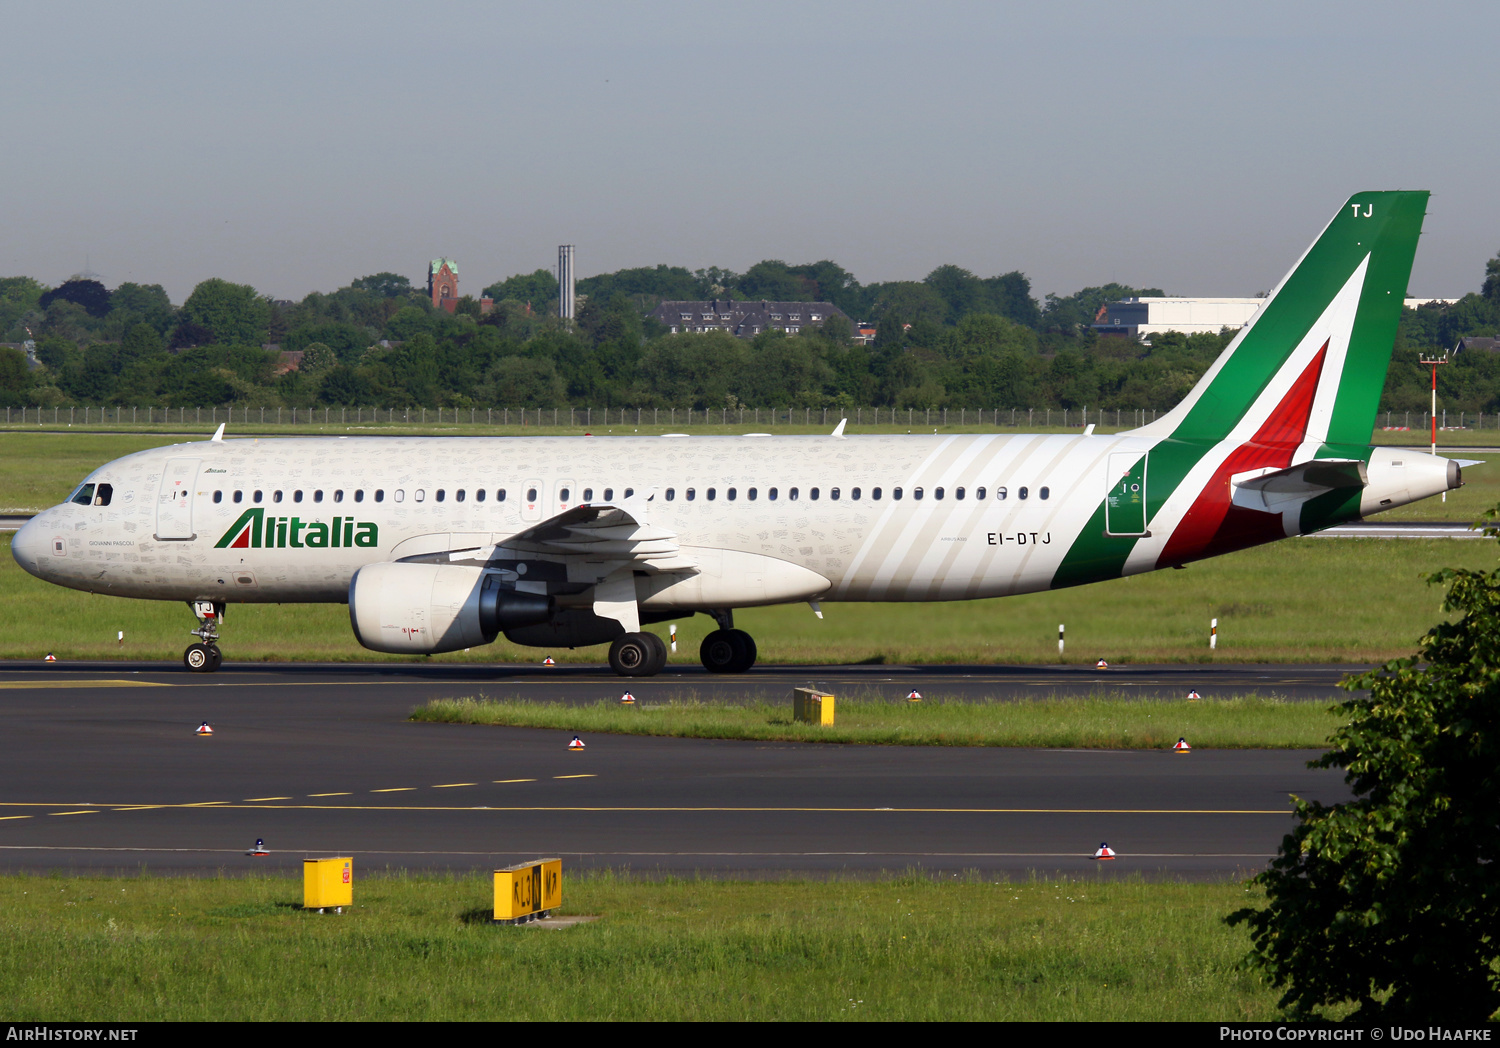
913,948
1305,600
1100,722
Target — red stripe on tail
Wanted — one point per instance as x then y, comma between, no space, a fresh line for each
1214,525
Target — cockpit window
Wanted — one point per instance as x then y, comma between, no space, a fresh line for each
104,492
84,496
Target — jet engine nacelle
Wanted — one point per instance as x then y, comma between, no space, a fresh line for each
1402,475
429,608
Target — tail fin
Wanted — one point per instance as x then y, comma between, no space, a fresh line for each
1330,322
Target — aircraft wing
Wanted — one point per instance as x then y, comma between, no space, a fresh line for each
602,533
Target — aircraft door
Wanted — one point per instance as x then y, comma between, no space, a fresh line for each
533,494
174,500
1125,505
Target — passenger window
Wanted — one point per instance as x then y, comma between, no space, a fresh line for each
896,494
380,494
239,496
400,494
1000,494
458,496
609,494
813,494
102,494
979,493
359,494
771,494
318,495
753,494
875,494
419,495
84,496
692,493
297,495
276,497
479,495
499,494
562,496
588,494
713,493
853,494
531,494
792,494
440,496
937,493
1044,492
255,497
671,494
338,496
1021,493
916,493
218,496
958,493
629,492
732,494
833,493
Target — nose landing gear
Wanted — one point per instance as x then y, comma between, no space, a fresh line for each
205,657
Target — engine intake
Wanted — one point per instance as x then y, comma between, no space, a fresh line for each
431,608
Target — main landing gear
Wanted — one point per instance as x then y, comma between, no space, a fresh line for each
726,649
205,657
638,655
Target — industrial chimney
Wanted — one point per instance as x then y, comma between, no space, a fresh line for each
565,281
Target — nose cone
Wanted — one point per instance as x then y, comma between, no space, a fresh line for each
30,547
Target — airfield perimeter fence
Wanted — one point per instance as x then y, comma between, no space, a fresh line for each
558,418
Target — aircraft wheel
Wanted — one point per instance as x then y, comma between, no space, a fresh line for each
217,656
632,655
659,654
199,658
727,651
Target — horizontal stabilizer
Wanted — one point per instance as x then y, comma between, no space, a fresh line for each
1277,490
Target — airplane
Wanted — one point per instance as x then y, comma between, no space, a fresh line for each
439,544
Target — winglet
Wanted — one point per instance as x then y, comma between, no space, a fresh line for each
218,433
838,431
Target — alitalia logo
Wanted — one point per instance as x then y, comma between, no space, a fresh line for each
255,530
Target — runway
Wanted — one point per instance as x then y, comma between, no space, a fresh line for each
100,768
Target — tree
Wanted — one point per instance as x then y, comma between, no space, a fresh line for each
90,294
384,285
233,312
1392,900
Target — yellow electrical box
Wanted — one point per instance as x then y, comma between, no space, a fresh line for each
812,706
527,891
327,882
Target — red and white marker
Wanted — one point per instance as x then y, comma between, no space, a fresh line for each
914,696
259,851
548,661
1182,747
1105,852
1101,665
204,729
1193,695
50,657
673,632
627,699
576,744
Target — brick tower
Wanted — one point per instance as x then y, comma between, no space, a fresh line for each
442,283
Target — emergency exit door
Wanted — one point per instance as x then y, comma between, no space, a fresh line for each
174,500
1125,505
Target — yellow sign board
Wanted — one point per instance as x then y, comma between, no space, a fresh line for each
812,706
327,882
528,890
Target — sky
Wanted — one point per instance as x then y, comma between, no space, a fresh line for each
1193,147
